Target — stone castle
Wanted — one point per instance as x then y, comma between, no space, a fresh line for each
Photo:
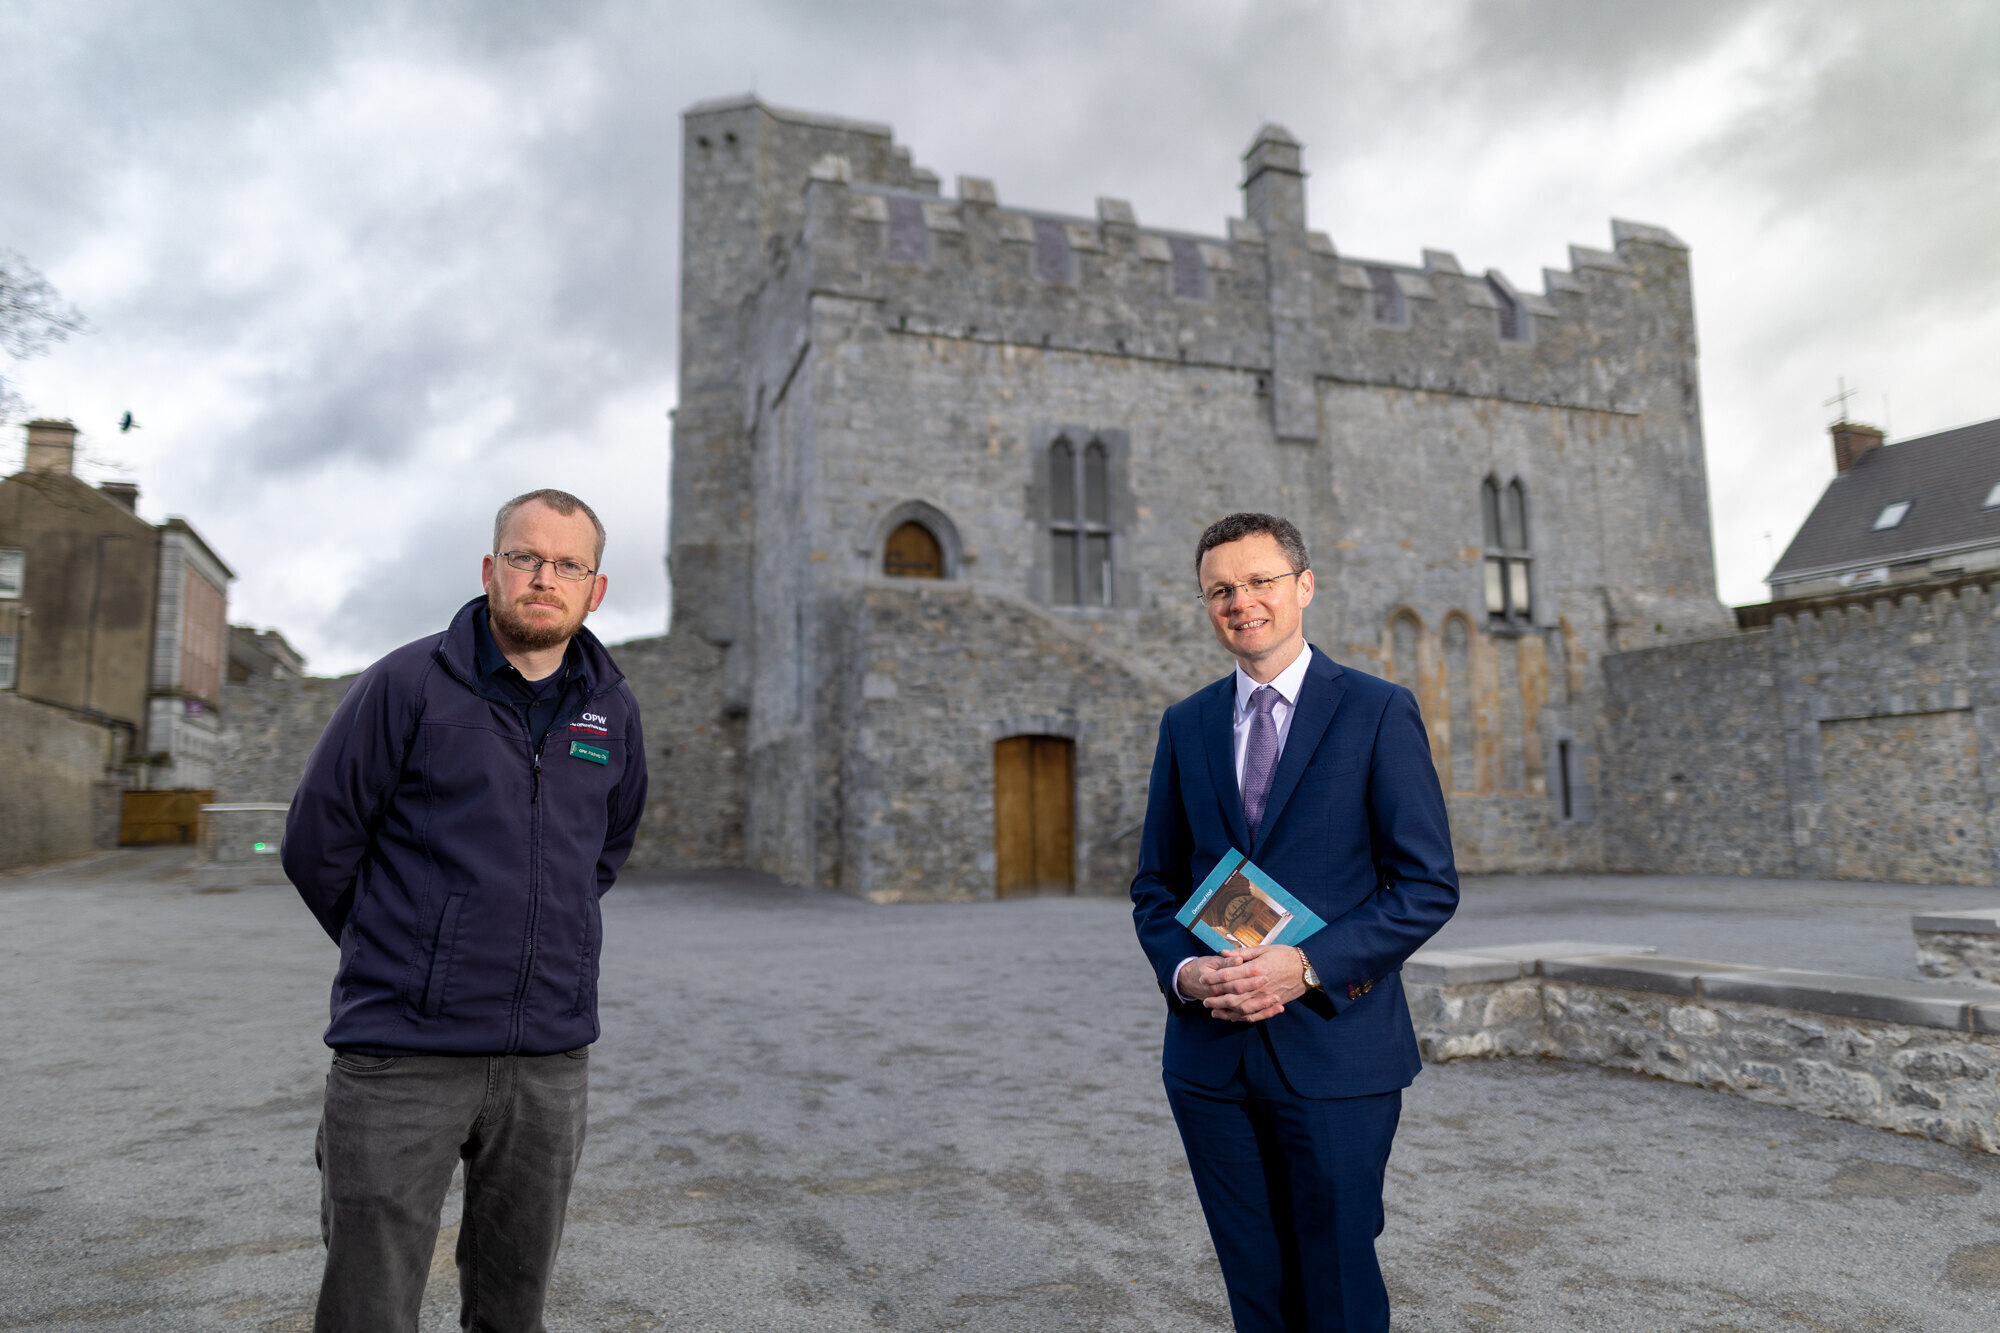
939,469
940,464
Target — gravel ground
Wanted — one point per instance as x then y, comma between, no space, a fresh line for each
812,1113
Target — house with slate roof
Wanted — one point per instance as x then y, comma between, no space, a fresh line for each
1915,512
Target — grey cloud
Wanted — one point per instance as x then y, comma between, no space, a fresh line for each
1565,50
404,593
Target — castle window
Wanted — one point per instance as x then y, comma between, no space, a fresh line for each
1189,273
908,240
1080,524
1563,780
912,553
1389,304
1513,320
1052,253
1892,514
1504,517
12,565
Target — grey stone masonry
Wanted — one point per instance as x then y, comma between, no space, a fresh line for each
1849,738
1959,946
861,353
1906,1056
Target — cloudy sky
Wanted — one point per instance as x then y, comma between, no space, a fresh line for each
360,269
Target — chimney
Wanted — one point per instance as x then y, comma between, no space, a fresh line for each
125,493
1851,440
51,447
1274,182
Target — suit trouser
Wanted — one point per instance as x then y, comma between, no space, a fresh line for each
1292,1189
393,1131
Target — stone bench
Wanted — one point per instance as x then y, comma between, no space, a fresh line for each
1960,946
1916,1057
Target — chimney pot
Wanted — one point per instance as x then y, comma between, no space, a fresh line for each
51,447
1851,440
125,493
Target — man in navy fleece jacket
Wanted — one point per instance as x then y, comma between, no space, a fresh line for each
471,800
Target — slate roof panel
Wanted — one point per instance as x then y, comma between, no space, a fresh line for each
1946,477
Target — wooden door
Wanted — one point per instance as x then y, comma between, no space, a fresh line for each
154,817
1034,816
913,553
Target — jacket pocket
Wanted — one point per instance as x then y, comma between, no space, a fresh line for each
586,957
442,954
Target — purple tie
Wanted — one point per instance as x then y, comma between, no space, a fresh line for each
1260,756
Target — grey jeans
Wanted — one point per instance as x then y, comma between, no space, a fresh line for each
393,1130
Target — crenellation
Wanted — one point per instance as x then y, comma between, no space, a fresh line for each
1583,257
1115,212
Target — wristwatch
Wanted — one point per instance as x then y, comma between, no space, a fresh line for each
1312,977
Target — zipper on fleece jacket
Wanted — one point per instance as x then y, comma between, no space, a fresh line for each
534,896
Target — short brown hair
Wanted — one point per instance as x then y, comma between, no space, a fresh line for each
1238,526
562,502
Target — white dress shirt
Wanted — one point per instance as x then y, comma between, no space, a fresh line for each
1287,683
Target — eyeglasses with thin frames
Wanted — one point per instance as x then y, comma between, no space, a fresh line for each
1221,596
528,563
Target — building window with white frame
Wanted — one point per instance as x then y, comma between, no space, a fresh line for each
1080,572
13,571
1509,581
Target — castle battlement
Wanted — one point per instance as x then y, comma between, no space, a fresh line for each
1269,297
1438,275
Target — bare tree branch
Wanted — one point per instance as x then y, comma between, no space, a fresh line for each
33,316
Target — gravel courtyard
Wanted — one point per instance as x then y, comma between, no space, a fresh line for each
813,1113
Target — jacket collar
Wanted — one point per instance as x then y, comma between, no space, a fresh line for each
458,649
1318,698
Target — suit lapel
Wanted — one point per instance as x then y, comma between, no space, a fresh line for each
1218,737
1319,696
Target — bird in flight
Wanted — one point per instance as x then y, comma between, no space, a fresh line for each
128,424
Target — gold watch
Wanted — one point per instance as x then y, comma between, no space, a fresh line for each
1312,977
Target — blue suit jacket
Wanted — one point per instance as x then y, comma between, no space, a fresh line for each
1354,827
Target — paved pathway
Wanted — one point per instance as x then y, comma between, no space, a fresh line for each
811,1113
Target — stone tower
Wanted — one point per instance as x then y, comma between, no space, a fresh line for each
940,464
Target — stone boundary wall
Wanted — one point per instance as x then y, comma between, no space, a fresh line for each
1857,739
57,774
1913,1057
1959,946
694,815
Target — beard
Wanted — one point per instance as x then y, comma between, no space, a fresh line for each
517,629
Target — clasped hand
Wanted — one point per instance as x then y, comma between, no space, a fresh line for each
1246,985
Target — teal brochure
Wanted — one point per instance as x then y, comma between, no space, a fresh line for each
1240,907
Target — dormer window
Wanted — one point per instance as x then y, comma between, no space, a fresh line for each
1892,513
1992,497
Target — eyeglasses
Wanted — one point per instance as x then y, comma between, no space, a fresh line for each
573,570
1223,594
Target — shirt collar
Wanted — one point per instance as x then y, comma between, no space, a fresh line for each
1288,682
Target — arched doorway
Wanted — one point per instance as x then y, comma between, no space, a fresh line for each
1034,816
912,553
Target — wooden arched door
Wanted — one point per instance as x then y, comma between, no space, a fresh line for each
1034,816
912,552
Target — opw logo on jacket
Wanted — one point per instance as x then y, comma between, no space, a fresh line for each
595,722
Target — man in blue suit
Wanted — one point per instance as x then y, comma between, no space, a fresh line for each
1285,1064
